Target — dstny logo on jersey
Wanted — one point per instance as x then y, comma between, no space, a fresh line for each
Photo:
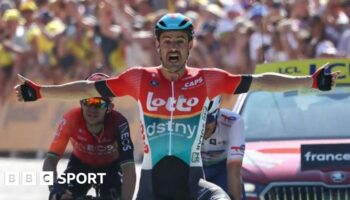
182,103
183,128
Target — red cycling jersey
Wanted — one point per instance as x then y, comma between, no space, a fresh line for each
173,113
109,145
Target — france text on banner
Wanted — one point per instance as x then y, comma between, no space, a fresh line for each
308,67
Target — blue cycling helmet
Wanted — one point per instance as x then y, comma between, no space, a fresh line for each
174,22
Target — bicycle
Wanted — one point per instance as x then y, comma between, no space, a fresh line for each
98,194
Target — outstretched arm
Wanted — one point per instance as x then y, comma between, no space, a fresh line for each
30,91
50,164
281,82
235,154
73,90
234,180
129,180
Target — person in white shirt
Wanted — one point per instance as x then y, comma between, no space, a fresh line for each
223,149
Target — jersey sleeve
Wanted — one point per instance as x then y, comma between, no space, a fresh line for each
62,136
126,147
127,83
236,141
219,81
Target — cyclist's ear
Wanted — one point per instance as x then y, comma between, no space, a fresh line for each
190,44
157,44
110,107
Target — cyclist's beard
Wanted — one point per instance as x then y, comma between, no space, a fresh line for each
173,68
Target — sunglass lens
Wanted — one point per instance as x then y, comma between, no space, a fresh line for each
96,102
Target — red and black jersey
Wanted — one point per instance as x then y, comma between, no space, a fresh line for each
112,143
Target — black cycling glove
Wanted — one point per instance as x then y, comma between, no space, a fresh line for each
58,190
30,91
322,80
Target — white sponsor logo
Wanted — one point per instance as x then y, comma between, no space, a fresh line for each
98,149
193,83
181,103
338,177
81,178
323,157
47,178
161,128
125,137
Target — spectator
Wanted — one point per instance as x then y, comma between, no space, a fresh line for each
260,39
206,50
334,19
318,34
81,54
344,41
111,37
141,49
326,49
5,5
233,35
44,37
12,50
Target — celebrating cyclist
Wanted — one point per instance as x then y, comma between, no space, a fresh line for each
223,149
173,100
102,149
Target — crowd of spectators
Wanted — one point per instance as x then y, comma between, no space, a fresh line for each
58,40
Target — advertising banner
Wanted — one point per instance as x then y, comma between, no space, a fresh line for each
325,157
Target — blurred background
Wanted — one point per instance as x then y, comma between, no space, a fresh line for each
55,41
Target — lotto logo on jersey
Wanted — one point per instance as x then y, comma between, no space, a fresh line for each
171,104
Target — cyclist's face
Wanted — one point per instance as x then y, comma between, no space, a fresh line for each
94,110
174,49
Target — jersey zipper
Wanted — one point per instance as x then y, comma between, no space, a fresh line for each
170,125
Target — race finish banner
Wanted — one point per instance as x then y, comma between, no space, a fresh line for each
308,67
325,157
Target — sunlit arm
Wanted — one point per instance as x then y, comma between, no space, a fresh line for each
129,180
50,164
234,182
72,90
279,82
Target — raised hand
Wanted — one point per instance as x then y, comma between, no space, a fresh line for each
27,90
324,81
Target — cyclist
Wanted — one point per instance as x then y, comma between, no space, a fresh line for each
173,99
223,149
101,142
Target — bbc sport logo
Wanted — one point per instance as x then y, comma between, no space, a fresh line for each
29,178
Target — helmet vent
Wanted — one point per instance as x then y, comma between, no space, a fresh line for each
183,22
163,23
